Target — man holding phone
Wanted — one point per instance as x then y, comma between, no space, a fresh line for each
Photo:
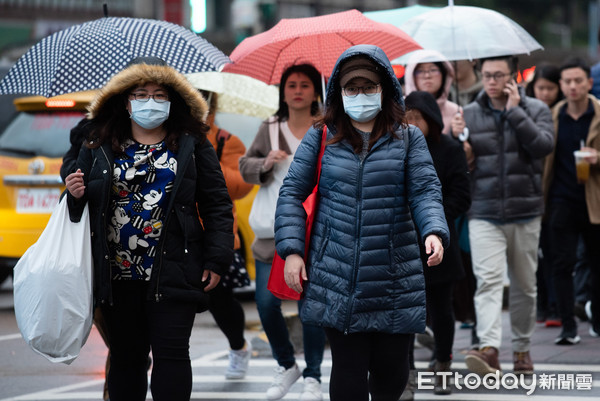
510,134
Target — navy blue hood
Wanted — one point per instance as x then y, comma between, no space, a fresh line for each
375,54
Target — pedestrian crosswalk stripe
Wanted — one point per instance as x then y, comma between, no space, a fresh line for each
217,360
260,377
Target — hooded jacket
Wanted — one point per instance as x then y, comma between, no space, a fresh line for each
448,108
364,268
506,181
186,245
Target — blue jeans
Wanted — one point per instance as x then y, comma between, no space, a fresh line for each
271,318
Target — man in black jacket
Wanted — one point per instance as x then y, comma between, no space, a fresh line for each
510,134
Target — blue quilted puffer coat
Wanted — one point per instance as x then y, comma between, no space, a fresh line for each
364,267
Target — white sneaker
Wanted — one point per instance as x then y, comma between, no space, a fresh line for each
283,380
238,362
588,310
312,390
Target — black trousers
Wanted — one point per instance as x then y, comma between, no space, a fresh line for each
441,318
134,327
566,223
228,314
367,363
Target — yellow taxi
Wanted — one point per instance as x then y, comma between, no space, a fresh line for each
31,151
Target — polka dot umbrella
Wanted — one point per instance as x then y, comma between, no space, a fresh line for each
85,56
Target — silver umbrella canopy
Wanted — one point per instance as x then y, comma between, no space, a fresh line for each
468,33
85,56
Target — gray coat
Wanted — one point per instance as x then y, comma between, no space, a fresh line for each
506,182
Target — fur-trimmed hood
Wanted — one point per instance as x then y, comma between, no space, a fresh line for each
141,74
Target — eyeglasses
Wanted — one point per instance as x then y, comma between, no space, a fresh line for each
144,97
369,90
496,76
433,72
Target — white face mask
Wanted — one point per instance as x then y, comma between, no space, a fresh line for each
149,114
362,108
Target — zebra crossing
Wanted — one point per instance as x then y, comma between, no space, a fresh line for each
209,383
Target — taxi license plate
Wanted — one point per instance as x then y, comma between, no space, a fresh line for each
37,200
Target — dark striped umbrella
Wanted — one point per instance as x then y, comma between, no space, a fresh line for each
85,56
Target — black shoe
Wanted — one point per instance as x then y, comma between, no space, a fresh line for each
567,337
579,311
474,338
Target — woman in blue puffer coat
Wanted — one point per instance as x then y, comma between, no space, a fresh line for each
379,195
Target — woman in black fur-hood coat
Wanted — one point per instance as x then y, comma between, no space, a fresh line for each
161,222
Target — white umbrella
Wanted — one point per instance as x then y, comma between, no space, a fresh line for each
397,16
238,94
468,33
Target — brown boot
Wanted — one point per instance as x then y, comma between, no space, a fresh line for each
522,363
483,361
442,384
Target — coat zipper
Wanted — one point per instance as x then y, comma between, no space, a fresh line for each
500,130
110,289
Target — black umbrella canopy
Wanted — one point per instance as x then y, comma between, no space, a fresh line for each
87,55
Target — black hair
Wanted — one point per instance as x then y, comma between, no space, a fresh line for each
576,62
511,61
112,122
549,72
313,74
444,72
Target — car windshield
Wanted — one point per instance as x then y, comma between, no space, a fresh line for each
39,134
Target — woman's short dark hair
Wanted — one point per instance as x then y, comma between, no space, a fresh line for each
313,74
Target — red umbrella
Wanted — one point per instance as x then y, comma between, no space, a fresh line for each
316,40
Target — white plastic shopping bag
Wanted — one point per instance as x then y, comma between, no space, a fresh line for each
262,213
53,288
